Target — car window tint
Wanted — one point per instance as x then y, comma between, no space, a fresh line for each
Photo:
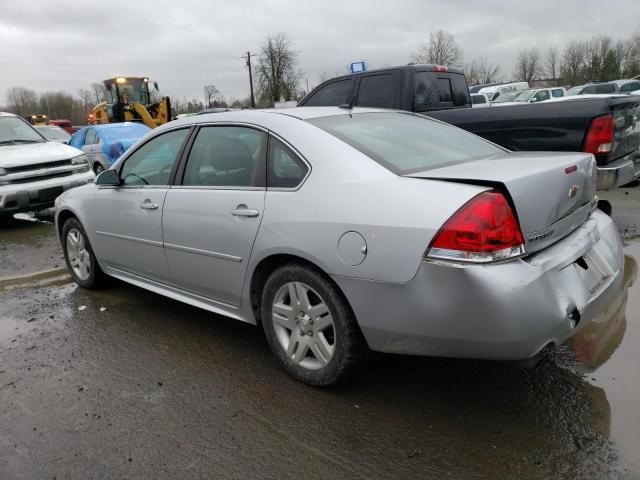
476,99
589,89
376,91
630,87
77,139
151,164
542,95
90,139
606,88
334,94
433,91
403,142
285,170
557,92
226,157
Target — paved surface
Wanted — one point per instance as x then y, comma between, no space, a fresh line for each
123,383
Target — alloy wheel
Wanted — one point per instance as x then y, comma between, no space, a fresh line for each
79,257
303,325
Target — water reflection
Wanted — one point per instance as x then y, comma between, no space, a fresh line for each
595,344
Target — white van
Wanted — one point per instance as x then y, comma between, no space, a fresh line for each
495,91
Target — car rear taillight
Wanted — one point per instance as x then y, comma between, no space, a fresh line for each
600,135
484,230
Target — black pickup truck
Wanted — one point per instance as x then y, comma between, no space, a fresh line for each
607,126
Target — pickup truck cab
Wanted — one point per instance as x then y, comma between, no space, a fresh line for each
418,88
33,171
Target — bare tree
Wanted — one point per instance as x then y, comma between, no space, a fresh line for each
572,63
212,96
99,92
276,70
442,49
488,72
527,65
22,101
471,73
551,66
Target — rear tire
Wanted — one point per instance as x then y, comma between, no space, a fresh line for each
310,326
79,256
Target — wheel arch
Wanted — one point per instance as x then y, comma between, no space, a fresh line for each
267,265
62,217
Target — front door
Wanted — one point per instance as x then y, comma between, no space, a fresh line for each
210,221
129,217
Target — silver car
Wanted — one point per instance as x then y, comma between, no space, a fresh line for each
343,231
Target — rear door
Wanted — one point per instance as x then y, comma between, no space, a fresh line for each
211,219
380,90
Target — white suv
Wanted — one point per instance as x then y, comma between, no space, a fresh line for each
33,171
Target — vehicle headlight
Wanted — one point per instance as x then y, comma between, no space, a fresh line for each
57,202
2,172
80,159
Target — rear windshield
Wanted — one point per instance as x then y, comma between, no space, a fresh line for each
406,143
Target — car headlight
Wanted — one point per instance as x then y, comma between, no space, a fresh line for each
80,159
2,172
57,202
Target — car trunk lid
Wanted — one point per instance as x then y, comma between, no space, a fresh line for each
552,193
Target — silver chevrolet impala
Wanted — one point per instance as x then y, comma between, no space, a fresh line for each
342,231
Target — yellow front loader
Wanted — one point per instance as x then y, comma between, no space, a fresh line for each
128,100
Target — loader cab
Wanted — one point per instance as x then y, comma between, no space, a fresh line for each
124,91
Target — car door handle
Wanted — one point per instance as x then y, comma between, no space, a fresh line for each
243,211
149,206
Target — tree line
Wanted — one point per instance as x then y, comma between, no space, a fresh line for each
600,58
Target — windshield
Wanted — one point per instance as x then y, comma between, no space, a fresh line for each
15,130
134,90
523,96
406,143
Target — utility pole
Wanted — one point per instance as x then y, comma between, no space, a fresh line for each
247,57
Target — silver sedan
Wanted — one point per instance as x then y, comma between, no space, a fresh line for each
343,231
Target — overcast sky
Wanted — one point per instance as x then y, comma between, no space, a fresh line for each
184,45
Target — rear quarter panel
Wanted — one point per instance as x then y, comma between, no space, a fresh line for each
346,191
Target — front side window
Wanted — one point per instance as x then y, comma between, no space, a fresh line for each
376,91
151,164
226,157
90,139
605,88
541,96
405,143
285,169
556,93
331,95
477,99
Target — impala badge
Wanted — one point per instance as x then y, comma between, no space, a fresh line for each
573,191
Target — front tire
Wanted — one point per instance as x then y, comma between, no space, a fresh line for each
79,256
310,326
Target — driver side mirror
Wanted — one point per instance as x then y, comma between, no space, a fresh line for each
108,178
155,85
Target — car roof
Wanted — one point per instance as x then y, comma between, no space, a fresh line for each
623,81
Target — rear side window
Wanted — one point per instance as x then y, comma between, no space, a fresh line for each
90,139
331,95
434,90
606,88
376,91
557,92
226,157
405,143
630,87
285,169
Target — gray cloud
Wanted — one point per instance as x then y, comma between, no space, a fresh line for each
66,45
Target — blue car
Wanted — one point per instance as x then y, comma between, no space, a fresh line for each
104,144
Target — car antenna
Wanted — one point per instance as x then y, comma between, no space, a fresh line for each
348,106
